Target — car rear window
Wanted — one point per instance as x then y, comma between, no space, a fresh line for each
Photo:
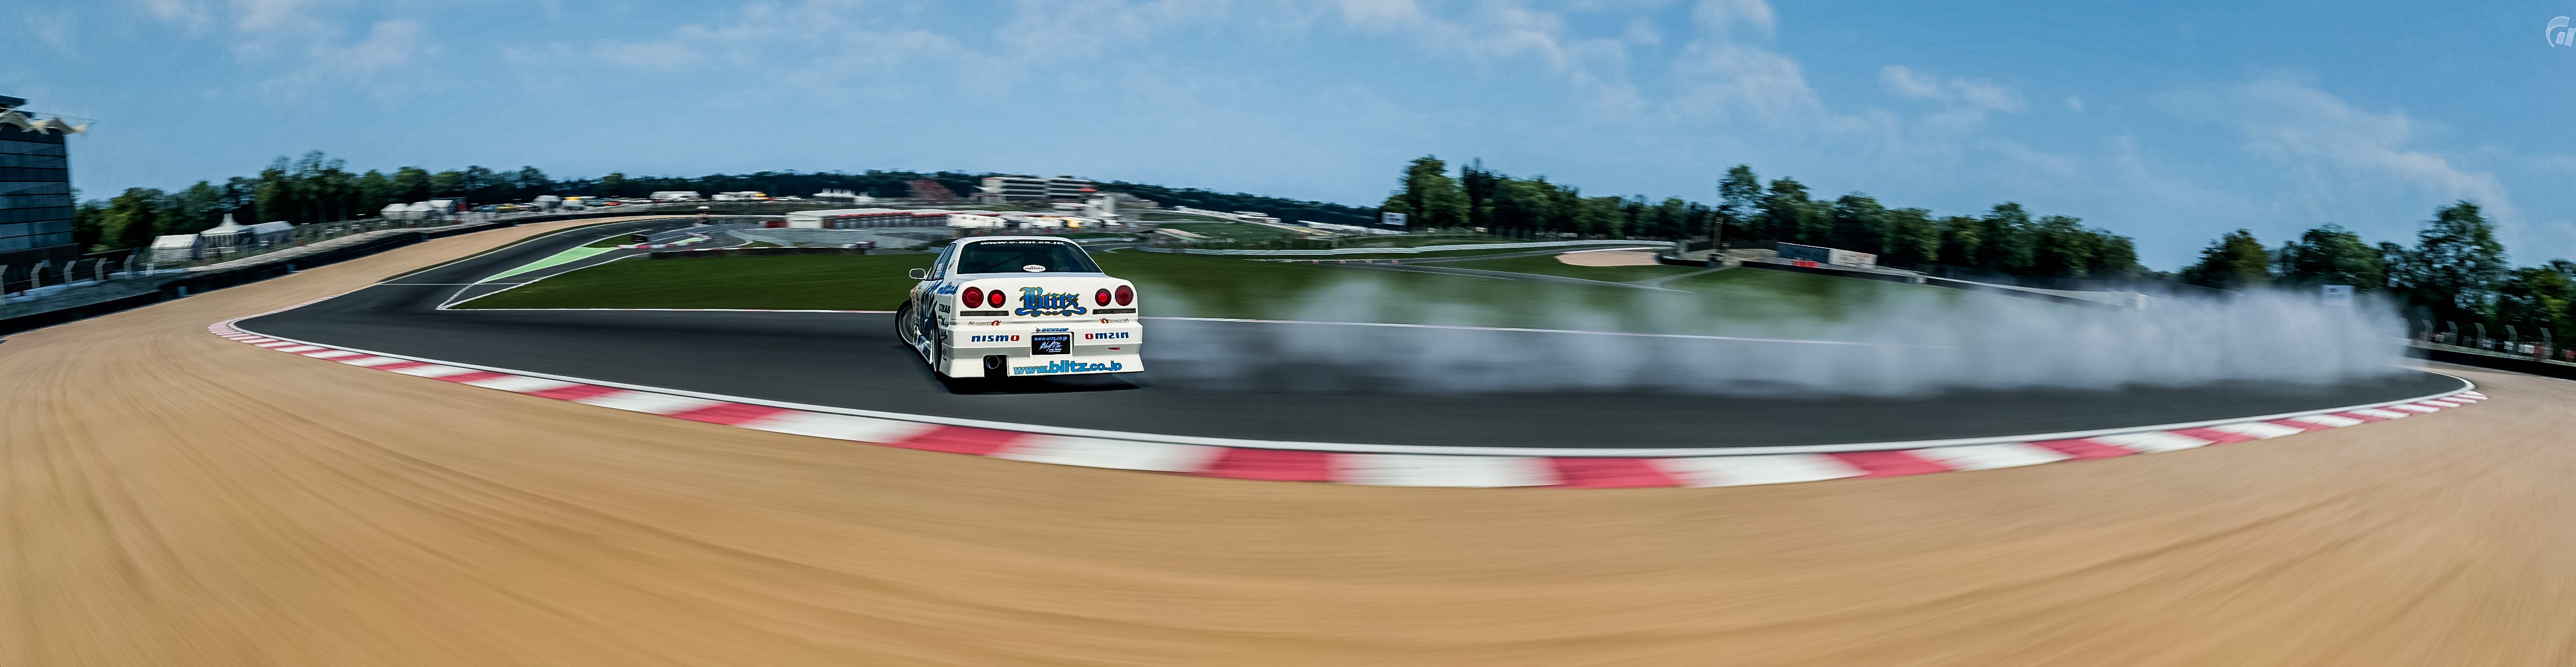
1024,257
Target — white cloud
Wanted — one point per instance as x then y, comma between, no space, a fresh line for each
52,28
1499,30
256,15
2290,121
189,14
1977,94
868,38
388,46
307,41
1384,11
2075,103
869,47
1719,77
1642,33
1099,24
1946,134
1727,73
1722,17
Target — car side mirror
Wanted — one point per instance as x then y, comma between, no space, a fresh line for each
921,274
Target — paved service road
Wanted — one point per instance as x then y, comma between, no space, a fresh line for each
851,360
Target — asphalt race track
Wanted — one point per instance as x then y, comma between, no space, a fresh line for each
851,360
177,498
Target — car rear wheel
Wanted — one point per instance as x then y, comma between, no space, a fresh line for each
907,325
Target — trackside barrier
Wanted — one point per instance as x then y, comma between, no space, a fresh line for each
195,282
2451,354
755,252
1409,251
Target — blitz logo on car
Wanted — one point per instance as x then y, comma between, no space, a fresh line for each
991,339
1067,366
1109,335
1034,301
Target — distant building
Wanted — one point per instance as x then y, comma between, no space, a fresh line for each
997,189
843,195
862,218
35,188
1818,254
975,221
1068,187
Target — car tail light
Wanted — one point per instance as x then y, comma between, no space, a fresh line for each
993,298
1126,295
1101,297
974,295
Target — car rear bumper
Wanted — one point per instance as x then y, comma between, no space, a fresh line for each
1092,348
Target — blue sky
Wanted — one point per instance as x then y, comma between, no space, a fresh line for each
2171,123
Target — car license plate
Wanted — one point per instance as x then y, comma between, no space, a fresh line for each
1051,344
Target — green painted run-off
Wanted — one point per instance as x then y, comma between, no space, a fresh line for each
565,257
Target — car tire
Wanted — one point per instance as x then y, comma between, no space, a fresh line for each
905,328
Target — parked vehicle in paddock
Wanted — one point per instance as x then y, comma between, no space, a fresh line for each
1020,306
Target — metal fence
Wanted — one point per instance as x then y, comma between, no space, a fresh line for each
26,281
2510,342
21,283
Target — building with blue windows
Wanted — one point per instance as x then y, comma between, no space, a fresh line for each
35,188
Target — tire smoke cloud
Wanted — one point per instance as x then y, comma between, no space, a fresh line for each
1919,344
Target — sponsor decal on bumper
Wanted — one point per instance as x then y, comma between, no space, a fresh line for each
1068,366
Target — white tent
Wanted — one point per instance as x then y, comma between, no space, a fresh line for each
971,221
224,236
412,211
224,229
269,232
174,248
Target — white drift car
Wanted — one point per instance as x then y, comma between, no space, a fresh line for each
1020,306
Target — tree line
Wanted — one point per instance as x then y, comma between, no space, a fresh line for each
319,188
2455,273
310,189
1748,213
